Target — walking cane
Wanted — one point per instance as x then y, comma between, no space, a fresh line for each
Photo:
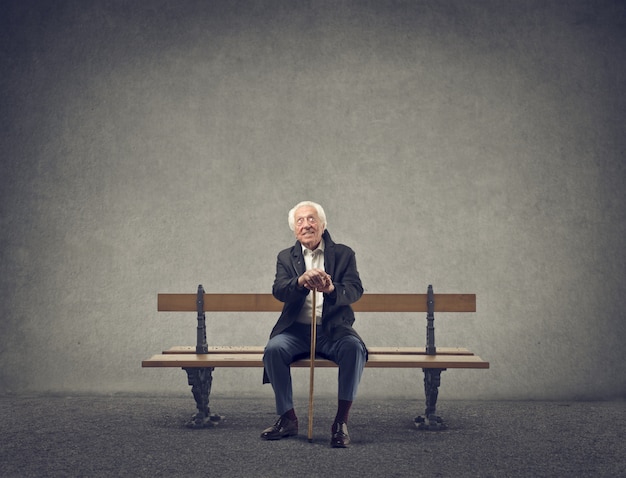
312,367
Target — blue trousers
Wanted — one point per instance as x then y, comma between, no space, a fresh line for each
294,343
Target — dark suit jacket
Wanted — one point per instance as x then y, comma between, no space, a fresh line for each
340,264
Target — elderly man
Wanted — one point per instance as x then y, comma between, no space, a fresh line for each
314,265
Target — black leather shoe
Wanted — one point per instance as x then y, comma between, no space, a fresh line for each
281,429
340,437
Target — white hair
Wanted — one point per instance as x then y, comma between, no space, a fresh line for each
318,208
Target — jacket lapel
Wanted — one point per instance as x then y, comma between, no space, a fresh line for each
329,256
297,259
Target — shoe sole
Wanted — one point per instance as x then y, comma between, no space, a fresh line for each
275,438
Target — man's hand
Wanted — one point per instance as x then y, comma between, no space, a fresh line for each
317,279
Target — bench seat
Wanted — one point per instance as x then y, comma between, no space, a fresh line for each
375,360
258,349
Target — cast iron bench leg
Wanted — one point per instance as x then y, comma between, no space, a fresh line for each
200,380
430,420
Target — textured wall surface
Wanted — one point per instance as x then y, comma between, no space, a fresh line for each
150,146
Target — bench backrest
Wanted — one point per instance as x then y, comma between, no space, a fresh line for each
367,303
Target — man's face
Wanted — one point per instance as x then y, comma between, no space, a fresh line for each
309,228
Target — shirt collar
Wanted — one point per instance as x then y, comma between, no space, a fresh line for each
306,251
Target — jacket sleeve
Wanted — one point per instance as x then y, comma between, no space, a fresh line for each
285,286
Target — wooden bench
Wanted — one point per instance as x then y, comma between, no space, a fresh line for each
200,361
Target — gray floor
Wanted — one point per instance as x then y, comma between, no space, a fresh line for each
105,436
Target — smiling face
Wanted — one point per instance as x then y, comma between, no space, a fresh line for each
308,227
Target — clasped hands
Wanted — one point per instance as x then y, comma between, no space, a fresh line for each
316,279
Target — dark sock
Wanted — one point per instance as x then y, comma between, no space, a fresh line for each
291,415
343,410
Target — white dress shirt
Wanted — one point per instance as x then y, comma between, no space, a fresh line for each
313,260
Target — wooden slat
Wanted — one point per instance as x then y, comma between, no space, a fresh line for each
256,360
426,361
220,303
415,303
267,303
258,349
220,349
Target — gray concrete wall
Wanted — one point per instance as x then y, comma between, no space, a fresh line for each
150,146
